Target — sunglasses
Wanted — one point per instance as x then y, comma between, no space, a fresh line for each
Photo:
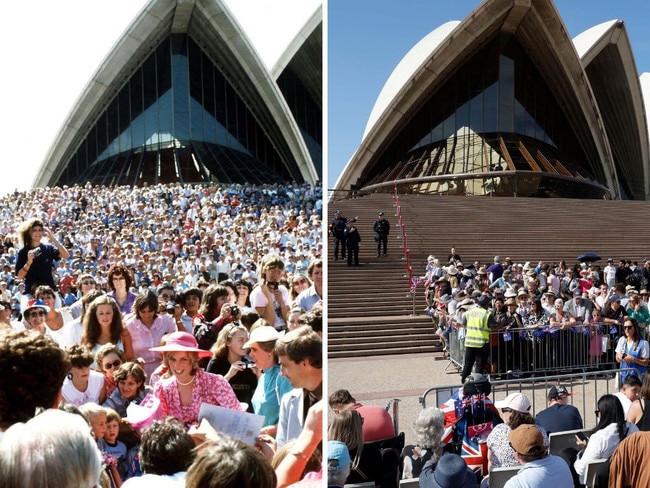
506,410
88,282
628,327
112,365
40,313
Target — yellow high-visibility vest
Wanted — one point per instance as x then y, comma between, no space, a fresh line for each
478,330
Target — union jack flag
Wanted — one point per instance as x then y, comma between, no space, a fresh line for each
414,284
467,419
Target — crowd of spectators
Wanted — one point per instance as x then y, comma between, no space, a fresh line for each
165,233
137,288
541,316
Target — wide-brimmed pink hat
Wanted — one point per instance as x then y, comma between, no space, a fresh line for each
181,342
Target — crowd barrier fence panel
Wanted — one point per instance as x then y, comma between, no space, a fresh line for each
586,388
541,350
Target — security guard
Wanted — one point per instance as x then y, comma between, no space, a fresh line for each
478,321
381,228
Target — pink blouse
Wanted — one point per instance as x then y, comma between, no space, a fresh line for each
207,388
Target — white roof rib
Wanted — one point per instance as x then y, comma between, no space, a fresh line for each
272,25
409,64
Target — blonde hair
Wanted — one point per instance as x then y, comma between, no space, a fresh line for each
220,348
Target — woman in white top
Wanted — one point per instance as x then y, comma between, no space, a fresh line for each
608,433
82,384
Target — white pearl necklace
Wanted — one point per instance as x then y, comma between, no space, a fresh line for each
185,384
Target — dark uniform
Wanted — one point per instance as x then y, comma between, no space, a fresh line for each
337,229
381,228
352,239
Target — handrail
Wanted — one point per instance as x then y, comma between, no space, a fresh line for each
413,282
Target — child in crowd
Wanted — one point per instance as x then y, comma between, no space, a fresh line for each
110,445
97,417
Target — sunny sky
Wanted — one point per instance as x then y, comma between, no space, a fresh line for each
49,52
368,38
51,49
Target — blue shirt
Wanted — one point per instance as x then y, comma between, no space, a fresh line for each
266,398
550,471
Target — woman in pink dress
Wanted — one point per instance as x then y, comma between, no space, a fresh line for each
182,393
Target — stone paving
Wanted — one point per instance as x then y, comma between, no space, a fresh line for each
378,379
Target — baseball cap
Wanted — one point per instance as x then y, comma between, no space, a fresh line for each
577,292
338,456
557,392
381,213
527,440
515,401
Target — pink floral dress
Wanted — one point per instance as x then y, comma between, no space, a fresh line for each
207,388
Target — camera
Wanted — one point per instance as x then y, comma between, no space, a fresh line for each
273,284
170,307
234,310
37,252
248,362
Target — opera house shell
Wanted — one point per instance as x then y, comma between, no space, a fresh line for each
185,96
504,103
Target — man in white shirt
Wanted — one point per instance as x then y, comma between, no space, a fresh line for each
609,273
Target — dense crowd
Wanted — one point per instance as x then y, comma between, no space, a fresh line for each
160,300
538,317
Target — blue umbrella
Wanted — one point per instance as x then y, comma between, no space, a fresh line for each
588,257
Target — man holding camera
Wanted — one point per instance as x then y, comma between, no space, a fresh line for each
269,298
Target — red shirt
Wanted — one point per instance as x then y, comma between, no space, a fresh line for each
377,422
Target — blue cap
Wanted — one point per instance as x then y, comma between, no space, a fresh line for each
338,456
615,298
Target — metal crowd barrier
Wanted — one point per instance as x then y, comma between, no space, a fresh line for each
586,389
542,350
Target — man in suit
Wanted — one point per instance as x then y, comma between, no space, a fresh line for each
578,309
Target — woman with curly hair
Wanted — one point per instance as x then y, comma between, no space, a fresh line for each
103,324
107,359
428,428
119,280
35,259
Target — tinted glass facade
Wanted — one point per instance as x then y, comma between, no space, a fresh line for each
494,128
177,119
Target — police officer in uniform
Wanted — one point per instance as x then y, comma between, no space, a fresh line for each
381,228
337,229
352,238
